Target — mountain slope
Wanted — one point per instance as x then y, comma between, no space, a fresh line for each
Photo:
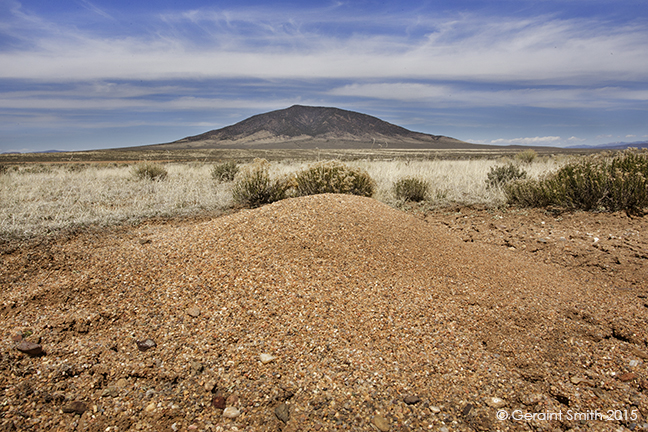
310,127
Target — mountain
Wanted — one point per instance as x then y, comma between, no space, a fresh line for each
309,127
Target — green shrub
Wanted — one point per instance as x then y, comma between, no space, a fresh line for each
597,183
253,186
498,176
150,171
225,172
333,177
526,156
411,189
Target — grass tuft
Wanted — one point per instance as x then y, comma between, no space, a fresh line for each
225,172
253,186
411,189
150,171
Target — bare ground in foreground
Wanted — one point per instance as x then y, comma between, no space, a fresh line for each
331,312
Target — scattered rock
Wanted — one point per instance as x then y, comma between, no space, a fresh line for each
31,349
110,392
412,400
381,423
218,402
143,241
232,399
76,407
146,344
194,312
122,382
627,377
210,385
435,409
282,412
495,402
231,412
467,410
266,358
150,407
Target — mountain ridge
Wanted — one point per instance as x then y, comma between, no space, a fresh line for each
309,127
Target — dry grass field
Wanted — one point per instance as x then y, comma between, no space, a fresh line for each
319,313
45,198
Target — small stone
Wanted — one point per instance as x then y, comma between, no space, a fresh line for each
17,337
627,377
146,344
576,380
122,382
218,402
194,312
381,423
143,241
435,409
76,407
110,392
282,412
412,400
542,240
232,399
31,349
231,412
150,407
634,363
210,385
495,402
467,410
266,358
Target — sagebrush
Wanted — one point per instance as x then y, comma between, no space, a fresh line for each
498,176
253,186
411,189
599,182
333,177
225,172
150,171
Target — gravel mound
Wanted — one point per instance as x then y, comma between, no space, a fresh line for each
328,312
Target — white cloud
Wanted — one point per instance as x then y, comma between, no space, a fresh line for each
546,140
576,139
236,44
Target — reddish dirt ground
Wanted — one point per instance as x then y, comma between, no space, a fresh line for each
330,313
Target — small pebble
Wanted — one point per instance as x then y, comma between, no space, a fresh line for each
495,402
282,412
627,377
381,423
411,400
193,312
76,407
231,412
30,348
150,407
218,402
435,409
146,345
266,358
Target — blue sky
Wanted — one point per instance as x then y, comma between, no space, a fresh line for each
86,74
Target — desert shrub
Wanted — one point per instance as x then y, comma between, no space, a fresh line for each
150,171
612,183
333,177
526,156
225,172
3,169
253,186
500,175
411,189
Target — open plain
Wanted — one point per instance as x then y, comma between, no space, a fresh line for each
331,312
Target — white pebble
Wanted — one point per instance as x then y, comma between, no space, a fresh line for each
266,358
231,412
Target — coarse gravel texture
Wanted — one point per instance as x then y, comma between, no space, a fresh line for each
322,313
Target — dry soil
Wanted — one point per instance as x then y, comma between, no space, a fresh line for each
329,313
